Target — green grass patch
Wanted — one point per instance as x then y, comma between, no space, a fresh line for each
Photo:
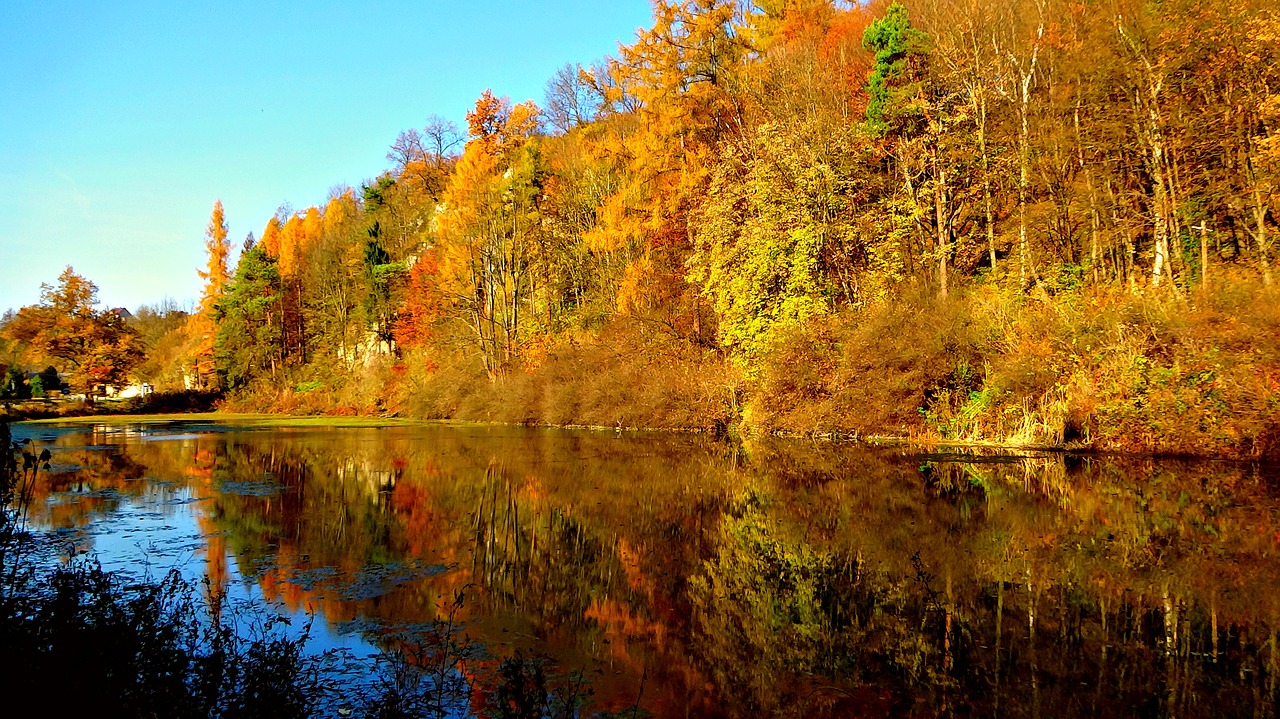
236,418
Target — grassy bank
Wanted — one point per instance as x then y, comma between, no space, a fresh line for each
630,377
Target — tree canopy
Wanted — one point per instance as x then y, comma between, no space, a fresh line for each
97,347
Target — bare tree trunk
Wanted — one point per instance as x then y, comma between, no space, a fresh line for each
1151,131
1158,208
940,217
1024,172
1095,226
1213,624
1026,74
986,177
1177,222
1260,221
1264,242
1126,263
1093,197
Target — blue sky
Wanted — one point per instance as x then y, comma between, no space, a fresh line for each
122,122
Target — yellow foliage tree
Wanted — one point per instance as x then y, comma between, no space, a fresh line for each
292,240
489,223
683,73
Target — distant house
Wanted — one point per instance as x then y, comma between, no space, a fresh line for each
134,390
121,312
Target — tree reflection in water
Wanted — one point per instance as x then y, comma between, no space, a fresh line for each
684,575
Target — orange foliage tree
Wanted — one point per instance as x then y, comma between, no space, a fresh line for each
97,347
203,327
683,74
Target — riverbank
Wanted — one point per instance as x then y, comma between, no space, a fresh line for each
1085,368
159,403
1101,369
1106,369
244,419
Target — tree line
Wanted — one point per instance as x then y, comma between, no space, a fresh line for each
742,167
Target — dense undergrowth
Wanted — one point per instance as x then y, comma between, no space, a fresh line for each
1098,368
1093,367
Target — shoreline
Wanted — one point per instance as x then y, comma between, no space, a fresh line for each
285,421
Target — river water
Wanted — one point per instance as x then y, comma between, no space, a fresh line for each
684,576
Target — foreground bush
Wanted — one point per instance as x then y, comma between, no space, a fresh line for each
83,643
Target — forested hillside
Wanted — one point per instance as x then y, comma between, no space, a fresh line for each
1025,221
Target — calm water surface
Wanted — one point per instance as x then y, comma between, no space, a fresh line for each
690,577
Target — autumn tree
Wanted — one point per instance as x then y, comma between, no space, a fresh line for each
964,51
163,328
421,163
925,128
329,286
766,237
487,226
97,346
423,304
685,74
576,267
203,328
270,240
